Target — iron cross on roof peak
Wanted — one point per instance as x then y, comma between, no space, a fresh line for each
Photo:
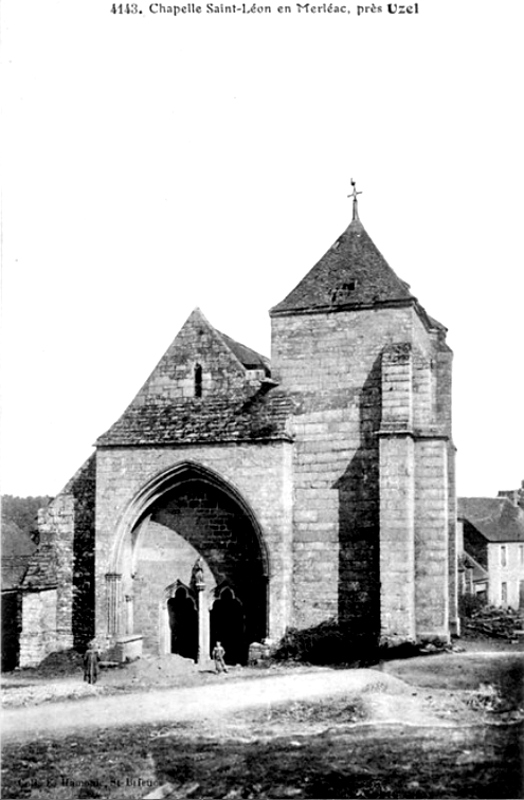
354,195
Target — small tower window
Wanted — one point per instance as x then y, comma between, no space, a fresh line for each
198,380
343,291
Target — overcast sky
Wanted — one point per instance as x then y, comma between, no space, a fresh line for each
155,163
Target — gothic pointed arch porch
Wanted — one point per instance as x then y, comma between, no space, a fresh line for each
184,513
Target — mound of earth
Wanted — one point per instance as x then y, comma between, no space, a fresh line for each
157,669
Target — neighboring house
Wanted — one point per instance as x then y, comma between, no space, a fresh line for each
17,550
236,497
492,530
473,578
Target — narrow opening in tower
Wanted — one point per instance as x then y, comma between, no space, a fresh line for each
198,380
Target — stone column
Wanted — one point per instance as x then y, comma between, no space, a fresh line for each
130,626
164,630
203,614
113,591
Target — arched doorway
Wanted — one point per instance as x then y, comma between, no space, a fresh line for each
183,623
196,516
228,626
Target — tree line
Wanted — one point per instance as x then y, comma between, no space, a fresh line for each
22,512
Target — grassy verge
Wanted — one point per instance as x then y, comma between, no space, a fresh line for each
337,763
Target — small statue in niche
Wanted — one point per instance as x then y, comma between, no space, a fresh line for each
197,576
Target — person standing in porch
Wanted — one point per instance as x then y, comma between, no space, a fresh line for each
218,657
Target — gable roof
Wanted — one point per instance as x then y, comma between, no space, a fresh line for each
196,334
243,409
353,273
496,518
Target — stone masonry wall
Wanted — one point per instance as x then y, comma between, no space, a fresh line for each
397,494
431,539
39,631
64,560
261,473
56,528
331,365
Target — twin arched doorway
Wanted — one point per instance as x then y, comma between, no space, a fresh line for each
197,516
223,621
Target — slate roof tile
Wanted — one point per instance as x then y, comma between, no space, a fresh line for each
261,415
495,517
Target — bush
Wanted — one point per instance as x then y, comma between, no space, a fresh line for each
326,643
470,604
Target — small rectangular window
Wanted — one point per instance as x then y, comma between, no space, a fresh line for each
503,555
504,593
521,554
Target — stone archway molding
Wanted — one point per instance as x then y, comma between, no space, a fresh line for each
166,481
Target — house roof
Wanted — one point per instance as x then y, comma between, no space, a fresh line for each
259,415
496,518
353,273
17,549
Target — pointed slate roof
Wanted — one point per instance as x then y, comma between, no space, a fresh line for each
353,273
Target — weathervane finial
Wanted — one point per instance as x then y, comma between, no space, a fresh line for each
355,201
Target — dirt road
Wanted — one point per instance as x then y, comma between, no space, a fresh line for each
179,704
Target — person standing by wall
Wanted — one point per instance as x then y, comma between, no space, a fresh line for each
91,659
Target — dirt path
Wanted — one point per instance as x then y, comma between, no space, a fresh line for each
182,704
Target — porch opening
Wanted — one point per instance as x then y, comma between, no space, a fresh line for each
183,624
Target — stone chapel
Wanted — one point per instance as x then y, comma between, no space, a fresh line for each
239,496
